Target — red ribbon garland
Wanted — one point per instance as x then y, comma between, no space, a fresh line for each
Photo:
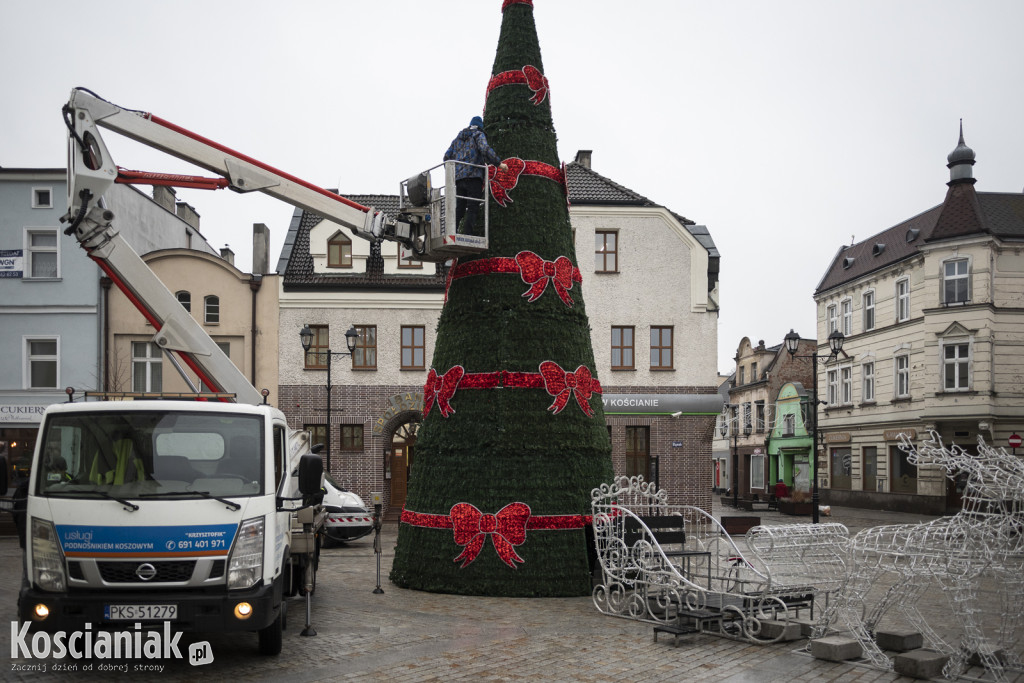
505,5
529,75
502,182
534,271
506,528
563,385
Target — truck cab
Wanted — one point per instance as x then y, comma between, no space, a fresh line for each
166,511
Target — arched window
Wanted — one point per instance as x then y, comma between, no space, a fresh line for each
185,299
212,310
339,252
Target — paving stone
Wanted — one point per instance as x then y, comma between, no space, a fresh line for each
784,630
835,648
920,663
903,640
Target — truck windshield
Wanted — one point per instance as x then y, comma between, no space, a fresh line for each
142,453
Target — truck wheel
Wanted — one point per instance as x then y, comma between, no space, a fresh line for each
271,637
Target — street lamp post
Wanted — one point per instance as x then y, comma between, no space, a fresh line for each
835,346
306,336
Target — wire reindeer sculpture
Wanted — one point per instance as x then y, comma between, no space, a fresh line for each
983,542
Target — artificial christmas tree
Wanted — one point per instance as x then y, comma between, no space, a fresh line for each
513,438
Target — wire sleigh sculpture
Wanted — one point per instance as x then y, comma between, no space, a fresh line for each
708,582
981,548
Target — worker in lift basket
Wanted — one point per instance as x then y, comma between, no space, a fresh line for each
470,146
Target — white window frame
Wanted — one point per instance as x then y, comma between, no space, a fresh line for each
153,360
31,251
832,381
897,372
832,317
965,277
757,469
35,196
184,298
846,316
868,301
902,300
944,364
846,385
867,373
209,310
789,424
29,359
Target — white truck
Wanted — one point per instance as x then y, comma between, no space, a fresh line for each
203,513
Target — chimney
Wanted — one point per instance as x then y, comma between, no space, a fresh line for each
227,254
164,196
188,214
583,157
260,248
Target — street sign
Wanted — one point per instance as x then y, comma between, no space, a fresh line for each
1015,440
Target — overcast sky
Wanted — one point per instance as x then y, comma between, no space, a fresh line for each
788,128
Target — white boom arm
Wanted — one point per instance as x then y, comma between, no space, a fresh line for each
425,225
91,171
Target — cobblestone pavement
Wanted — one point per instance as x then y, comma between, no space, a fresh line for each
412,636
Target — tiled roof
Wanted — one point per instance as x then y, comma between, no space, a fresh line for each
964,212
296,262
588,187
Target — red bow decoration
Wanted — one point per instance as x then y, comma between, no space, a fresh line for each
562,384
537,82
504,181
507,528
441,388
537,272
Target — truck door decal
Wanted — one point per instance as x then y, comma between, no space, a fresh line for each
146,541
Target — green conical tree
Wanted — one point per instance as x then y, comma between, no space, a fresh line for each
513,438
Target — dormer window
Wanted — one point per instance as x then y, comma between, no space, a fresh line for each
912,234
339,252
847,262
877,249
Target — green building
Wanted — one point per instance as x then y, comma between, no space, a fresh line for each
790,442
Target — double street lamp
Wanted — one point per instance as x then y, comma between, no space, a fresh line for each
835,346
724,429
306,335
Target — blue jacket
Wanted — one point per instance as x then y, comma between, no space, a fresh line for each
470,146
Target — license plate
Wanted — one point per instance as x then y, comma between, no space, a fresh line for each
140,612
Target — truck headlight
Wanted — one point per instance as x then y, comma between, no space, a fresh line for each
245,568
47,558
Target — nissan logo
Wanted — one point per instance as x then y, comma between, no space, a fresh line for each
145,571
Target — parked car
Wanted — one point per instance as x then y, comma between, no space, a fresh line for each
347,515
